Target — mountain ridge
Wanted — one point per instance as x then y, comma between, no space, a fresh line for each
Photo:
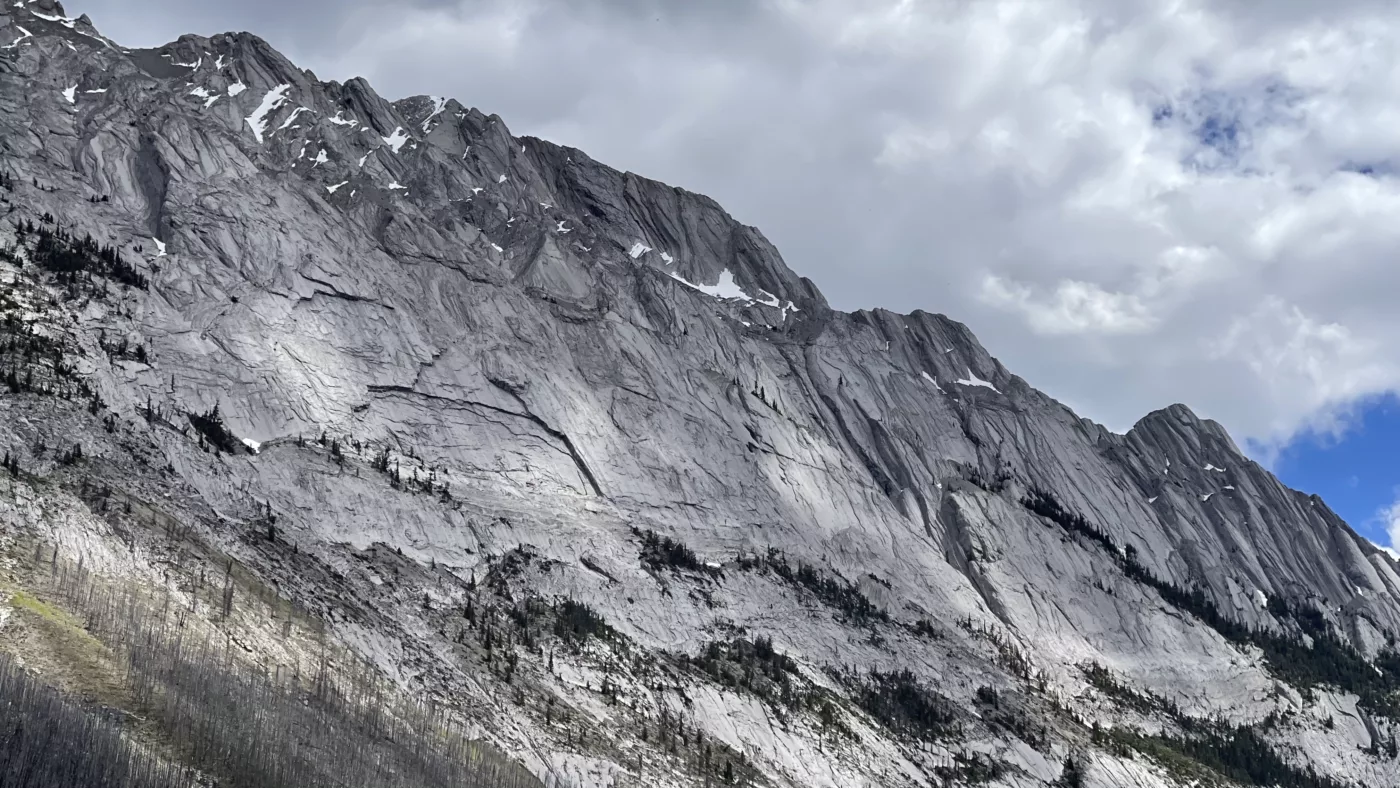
463,355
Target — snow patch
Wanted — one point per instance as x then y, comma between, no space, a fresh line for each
236,88
396,140
321,158
1210,467
1229,486
497,248
96,90
362,158
160,247
62,20
292,117
501,179
396,185
1206,497
252,445
768,299
638,249
930,379
668,258
195,65
69,94
439,104
332,189
23,34
726,288
201,92
973,380
341,120
559,227
219,63
1151,500
274,99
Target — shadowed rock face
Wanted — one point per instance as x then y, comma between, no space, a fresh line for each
579,352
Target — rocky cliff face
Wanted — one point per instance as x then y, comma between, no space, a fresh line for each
507,372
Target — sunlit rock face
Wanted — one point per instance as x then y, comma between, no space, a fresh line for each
525,360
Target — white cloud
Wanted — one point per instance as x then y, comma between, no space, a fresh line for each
1130,202
1389,517
1074,308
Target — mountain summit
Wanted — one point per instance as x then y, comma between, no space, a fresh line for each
571,461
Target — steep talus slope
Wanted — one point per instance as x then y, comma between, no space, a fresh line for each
493,365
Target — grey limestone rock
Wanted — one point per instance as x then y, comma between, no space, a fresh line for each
579,352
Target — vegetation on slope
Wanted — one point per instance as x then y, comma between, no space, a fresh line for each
240,722
1208,751
211,429
834,592
664,552
49,741
1326,661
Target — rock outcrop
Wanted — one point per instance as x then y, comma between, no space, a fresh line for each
526,360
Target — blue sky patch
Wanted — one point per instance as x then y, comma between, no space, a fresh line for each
1358,474
1222,122
1371,169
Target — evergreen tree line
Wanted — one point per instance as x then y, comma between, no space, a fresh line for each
121,347
213,432
36,364
901,703
415,483
253,725
505,631
662,551
751,665
1238,752
1328,661
836,593
756,667
994,483
1002,712
73,260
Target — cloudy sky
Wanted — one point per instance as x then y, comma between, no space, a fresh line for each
1131,202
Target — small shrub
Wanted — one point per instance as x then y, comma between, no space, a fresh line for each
210,424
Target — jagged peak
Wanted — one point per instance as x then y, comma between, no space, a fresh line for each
51,12
48,7
1179,420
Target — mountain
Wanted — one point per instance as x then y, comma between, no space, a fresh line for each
570,462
